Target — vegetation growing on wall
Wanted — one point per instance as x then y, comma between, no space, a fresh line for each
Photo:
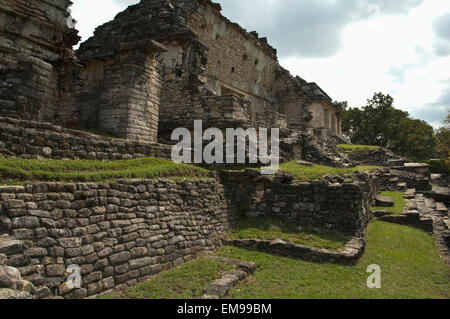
15,171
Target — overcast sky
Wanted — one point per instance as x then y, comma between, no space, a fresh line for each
351,48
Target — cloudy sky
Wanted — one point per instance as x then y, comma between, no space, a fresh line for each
351,48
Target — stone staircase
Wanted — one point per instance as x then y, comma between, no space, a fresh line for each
427,214
395,160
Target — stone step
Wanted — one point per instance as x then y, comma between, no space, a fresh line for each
380,213
410,193
440,207
384,201
396,162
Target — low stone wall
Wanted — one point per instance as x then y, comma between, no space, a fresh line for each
341,207
391,178
349,255
29,139
117,233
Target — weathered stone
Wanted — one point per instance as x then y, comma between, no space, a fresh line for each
120,258
384,201
14,294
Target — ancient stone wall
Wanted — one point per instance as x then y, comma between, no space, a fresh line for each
116,233
121,92
343,207
29,139
37,65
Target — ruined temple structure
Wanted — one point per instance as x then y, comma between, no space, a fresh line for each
37,64
326,118
159,65
183,60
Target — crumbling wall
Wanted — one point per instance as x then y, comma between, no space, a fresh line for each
37,65
31,139
341,207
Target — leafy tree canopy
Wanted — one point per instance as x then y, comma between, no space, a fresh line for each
380,123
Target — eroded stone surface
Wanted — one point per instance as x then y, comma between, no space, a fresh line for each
384,201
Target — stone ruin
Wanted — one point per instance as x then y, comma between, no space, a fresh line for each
157,66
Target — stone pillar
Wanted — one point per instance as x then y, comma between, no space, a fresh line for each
130,102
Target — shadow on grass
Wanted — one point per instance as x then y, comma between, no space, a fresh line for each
270,228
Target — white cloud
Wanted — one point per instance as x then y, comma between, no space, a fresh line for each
91,14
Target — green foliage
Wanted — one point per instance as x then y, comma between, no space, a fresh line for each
305,173
411,267
443,143
12,169
380,123
399,203
356,149
186,282
439,166
269,229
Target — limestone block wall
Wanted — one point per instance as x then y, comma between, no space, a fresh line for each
342,207
29,139
121,92
37,65
237,61
116,233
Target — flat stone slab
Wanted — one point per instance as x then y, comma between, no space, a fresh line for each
384,201
305,163
441,207
417,165
348,255
395,162
10,246
381,213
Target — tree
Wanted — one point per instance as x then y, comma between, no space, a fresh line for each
380,123
415,139
443,140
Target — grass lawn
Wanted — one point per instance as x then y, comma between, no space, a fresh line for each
304,173
410,268
19,171
268,229
185,282
356,149
399,204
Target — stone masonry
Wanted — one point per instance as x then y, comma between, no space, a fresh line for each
38,68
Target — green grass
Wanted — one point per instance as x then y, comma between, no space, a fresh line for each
18,171
399,204
410,264
185,282
304,173
269,229
356,149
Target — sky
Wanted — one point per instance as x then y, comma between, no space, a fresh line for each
350,48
